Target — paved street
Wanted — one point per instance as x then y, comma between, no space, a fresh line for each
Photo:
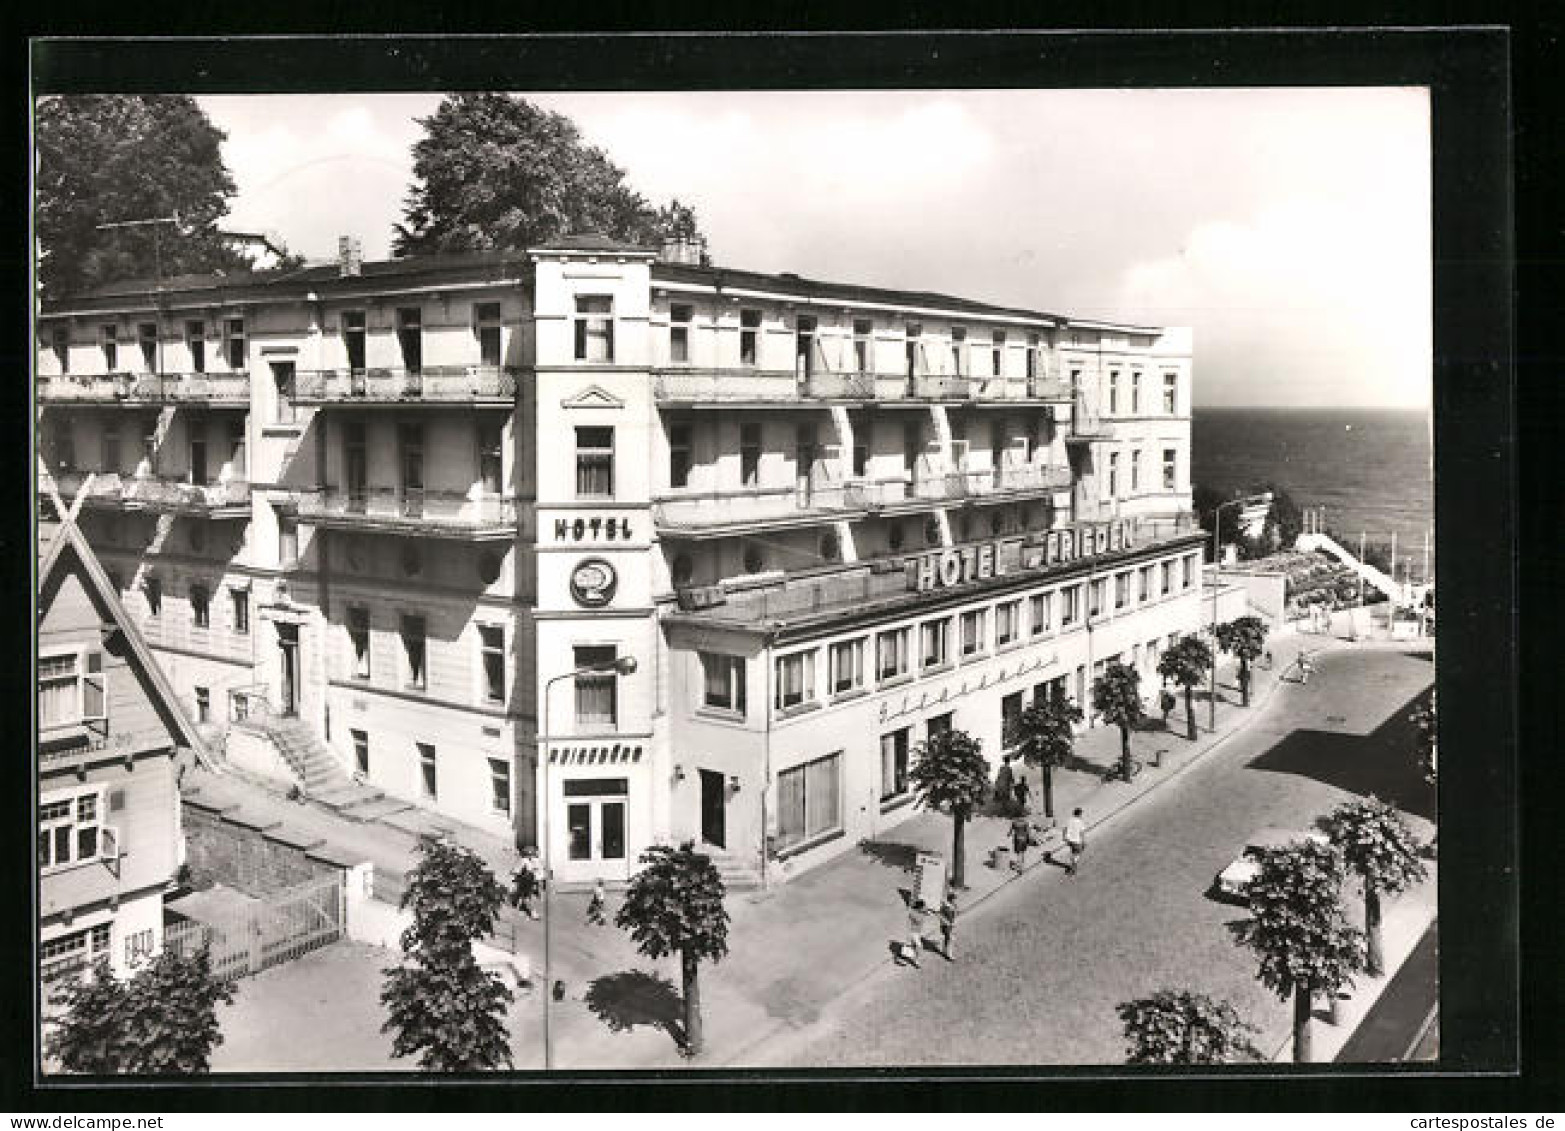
1043,963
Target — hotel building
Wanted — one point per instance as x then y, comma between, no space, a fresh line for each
418,511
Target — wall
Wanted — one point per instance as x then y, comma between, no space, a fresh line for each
228,849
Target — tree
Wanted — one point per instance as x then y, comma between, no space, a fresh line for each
951,776
1181,1027
1244,637
674,905
1116,695
1044,736
1376,844
1298,929
495,171
440,1004
107,159
1425,737
1186,662
162,1021
1283,524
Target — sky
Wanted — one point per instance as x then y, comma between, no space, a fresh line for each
1289,227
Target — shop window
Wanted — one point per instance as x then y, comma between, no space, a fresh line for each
795,680
893,764
809,801
723,683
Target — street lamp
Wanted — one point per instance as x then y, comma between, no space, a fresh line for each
1217,549
623,665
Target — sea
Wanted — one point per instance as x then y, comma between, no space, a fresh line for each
1370,469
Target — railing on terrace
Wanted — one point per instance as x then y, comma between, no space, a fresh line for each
160,388
683,386
704,509
114,744
437,510
441,383
156,494
679,385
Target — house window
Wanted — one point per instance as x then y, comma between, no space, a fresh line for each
749,336
500,785
1095,598
203,704
679,455
1007,618
195,339
147,339
490,462
749,454
861,434
361,751
486,325
913,332
595,463
200,606
958,348
863,360
73,953
287,539
795,680
1114,392
597,692
153,587
415,647
934,638
1071,612
973,632
1169,457
1170,393
1145,587
410,337
1135,394
60,342
283,384
722,681
804,345
1168,577
1112,491
491,643
1189,571
997,354
234,341
1010,715
69,830
809,801
846,662
594,328
891,653
410,446
679,316
109,336
1039,611
1032,357
1135,471
912,446
353,338
71,690
427,771
938,725
1121,590
893,764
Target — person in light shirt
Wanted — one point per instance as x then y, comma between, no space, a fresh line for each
1075,840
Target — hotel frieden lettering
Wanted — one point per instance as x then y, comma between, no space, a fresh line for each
940,569
598,528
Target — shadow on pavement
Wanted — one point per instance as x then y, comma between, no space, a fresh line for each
1381,762
633,997
890,853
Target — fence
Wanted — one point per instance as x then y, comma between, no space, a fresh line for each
267,932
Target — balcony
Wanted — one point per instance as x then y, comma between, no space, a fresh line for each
432,384
215,389
745,386
1087,424
714,514
230,499
442,514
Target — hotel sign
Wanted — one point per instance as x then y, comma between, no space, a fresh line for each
941,569
593,528
1088,539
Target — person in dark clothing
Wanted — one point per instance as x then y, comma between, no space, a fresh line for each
947,916
1023,792
1004,784
1021,838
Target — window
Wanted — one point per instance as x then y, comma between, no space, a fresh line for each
596,691
1032,357
679,316
147,339
913,332
203,704
73,953
410,450
863,346
1145,587
722,679
490,461
153,587
1135,394
1010,715
594,328
1170,455
491,644
912,445
749,336
353,338
958,348
427,771
1007,622
1135,471
846,664
60,342
804,345
287,539
283,382
1095,598
1112,489
410,337
973,632
595,463
1121,590
486,326
795,680
1081,686
1039,613
200,606
415,648
195,339
997,354
809,801
749,454
500,785
1113,392
69,830
361,751
1168,577
1170,393
938,725
893,764
891,653
234,342
1071,595
109,338
236,445
679,455
934,639
109,456
1189,572
71,690
861,433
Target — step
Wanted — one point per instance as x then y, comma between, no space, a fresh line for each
345,794
372,808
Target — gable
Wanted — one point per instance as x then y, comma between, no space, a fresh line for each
594,396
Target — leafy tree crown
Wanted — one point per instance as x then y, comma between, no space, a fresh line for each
1244,637
1376,843
1116,695
1297,924
950,773
1181,1027
1186,661
1042,733
674,905
454,897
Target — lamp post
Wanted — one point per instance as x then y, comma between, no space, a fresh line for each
1217,549
623,665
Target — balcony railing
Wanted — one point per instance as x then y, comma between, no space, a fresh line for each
443,384
432,512
230,499
1087,423
724,386
772,386
222,388
714,510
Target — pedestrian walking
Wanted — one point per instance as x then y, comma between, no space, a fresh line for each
595,916
1165,700
1004,784
1021,837
1075,841
525,887
947,923
915,930
1022,791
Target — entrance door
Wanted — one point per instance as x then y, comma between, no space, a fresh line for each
288,644
714,809
595,840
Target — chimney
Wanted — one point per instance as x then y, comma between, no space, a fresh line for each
349,257
687,251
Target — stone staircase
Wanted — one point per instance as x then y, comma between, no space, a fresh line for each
738,875
322,777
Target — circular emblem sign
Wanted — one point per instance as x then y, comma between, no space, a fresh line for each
593,583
